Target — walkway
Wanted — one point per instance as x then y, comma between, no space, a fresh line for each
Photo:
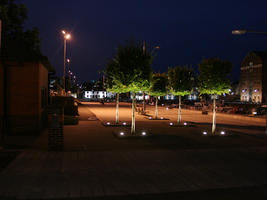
96,164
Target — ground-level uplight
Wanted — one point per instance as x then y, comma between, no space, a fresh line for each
124,123
121,133
171,124
205,133
161,117
150,118
185,123
167,108
222,133
143,133
108,123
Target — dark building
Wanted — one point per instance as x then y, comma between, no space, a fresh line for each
253,78
26,95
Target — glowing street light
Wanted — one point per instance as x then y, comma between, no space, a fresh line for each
66,37
243,31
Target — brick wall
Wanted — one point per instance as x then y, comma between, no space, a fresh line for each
25,82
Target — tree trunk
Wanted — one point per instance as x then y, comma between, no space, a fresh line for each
214,115
133,115
156,108
117,107
179,111
144,102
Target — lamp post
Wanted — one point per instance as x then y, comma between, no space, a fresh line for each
144,51
242,32
66,37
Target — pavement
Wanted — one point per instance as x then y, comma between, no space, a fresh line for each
176,161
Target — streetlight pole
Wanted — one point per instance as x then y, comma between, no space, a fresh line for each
64,73
144,52
66,37
242,32
144,95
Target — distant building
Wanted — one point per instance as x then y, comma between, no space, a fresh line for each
95,95
253,78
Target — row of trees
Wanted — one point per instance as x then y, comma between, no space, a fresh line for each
130,71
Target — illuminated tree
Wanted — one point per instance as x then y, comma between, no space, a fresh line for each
180,84
213,80
132,71
158,88
114,84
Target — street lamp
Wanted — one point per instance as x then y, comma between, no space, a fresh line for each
144,51
66,37
242,32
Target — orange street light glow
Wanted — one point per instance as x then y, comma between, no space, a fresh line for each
67,36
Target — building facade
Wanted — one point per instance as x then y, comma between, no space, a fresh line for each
26,96
253,78
95,95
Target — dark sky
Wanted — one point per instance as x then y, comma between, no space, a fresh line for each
186,31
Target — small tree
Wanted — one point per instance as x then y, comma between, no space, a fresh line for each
158,88
180,84
132,71
213,80
114,84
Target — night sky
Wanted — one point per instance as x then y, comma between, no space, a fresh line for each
186,31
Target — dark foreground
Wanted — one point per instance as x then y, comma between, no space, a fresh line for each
177,163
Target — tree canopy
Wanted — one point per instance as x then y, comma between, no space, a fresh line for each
16,41
158,85
130,70
180,80
213,76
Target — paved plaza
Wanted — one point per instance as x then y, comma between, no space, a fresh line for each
175,161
